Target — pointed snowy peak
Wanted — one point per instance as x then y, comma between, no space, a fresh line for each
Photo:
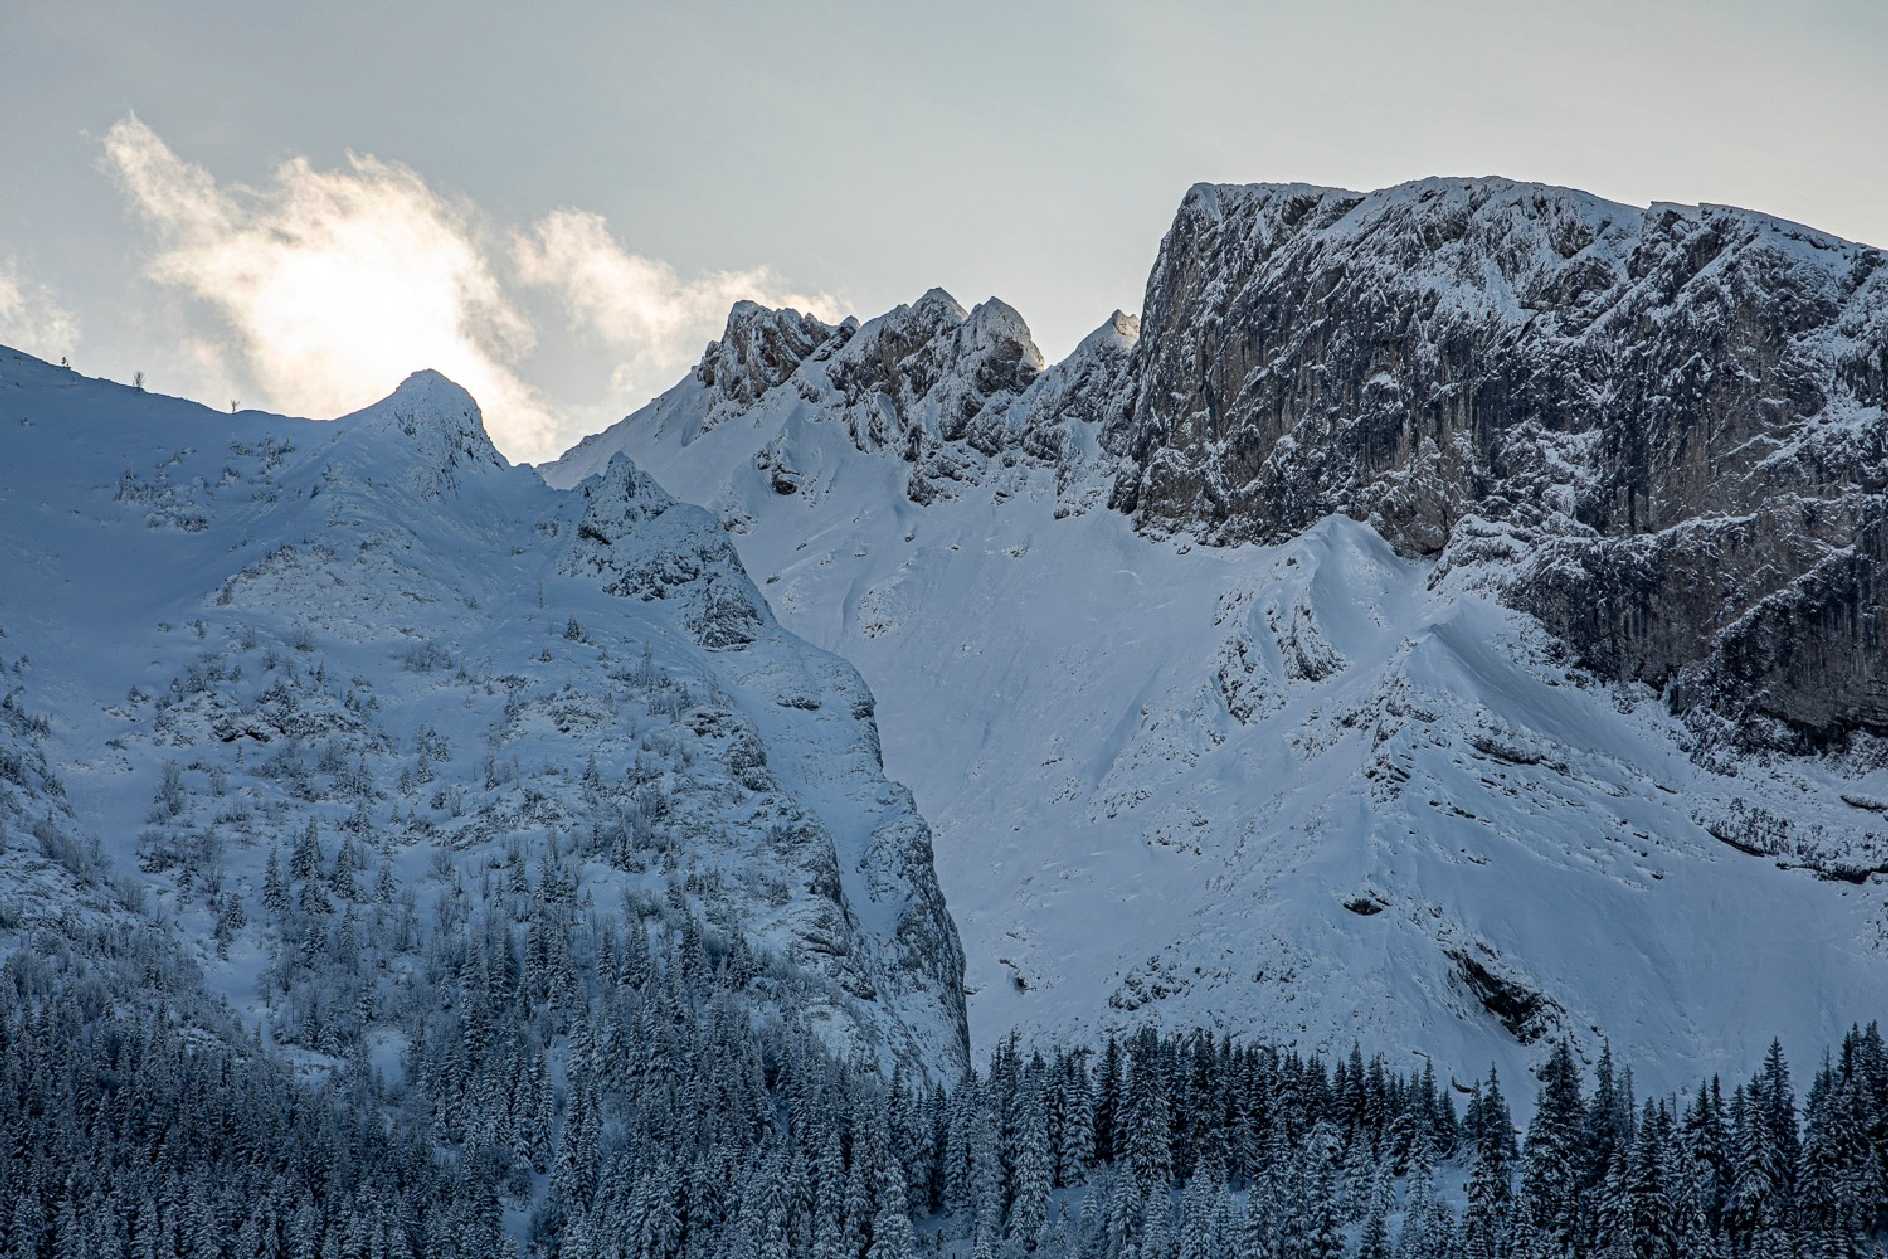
760,348
936,306
438,422
1091,373
619,496
428,408
1117,333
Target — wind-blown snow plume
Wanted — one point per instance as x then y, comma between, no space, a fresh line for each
32,318
640,307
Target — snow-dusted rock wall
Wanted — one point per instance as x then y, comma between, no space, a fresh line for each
1680,408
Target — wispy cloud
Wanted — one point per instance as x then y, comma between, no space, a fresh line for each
32,319
336,284
332,285
640,307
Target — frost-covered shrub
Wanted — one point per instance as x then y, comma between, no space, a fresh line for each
82,859
425,657
333,758
171,794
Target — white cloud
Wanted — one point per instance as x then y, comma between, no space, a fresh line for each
31,319
640,307
335,284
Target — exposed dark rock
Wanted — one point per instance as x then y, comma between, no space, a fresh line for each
1527,1013
1367,904
760,348
1679,408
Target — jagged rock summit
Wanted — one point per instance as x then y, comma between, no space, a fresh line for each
759,349
1437,619
951,392
1665,424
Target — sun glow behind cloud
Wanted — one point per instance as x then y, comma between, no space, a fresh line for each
335,284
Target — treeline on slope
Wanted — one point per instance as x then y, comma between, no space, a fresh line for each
587,1085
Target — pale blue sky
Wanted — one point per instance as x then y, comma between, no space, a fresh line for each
862,152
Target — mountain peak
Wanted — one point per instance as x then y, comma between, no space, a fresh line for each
625,491
746,314
994,312
759,348
935,301
996,350
438,421
1118,331
426,398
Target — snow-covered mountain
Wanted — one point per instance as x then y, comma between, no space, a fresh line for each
1414,629
235,643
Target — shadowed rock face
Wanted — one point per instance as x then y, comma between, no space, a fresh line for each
759,349
1674,415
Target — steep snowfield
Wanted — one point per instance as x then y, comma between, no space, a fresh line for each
233,624
1308,792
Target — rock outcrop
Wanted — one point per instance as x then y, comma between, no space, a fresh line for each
1680,409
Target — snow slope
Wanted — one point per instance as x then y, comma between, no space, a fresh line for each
1308,792
232,625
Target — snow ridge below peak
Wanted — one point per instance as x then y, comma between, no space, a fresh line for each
377,627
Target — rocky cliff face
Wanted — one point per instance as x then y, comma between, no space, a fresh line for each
1659,431
1675,413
